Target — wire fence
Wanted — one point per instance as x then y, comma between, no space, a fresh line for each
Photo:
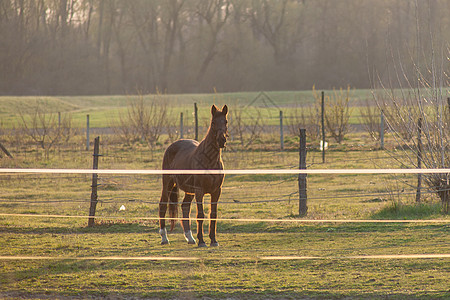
225,200
244,199
429,221
255,254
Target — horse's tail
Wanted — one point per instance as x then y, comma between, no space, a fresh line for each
173,206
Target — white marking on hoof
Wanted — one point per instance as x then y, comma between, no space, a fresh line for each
189,238
164,239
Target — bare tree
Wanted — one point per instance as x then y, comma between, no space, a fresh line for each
400,113
300,117
435,129
47,129
246,125
371,119
424,98
67,47
273,20
280,24
144,120
215,13
337,114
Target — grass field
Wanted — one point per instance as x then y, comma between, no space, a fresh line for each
239,267
104,108
121,257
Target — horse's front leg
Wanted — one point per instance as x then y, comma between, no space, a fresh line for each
186,208
213,217
200,217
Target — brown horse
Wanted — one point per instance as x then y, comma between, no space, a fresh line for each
192,155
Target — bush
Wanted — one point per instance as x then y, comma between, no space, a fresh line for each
143,121
337,112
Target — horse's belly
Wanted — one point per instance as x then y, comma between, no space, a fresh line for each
205,184
186,183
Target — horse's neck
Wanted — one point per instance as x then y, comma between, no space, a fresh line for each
207,152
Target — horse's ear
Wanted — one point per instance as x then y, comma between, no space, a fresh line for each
213,109
225,109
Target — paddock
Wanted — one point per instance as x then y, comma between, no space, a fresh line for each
259,234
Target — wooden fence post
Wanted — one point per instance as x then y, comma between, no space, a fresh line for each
281,131
181,125
3,148
94,196
196,121
323,127
303,208
419,159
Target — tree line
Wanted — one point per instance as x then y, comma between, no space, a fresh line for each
76,47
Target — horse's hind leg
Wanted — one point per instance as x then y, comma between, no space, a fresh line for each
167,187
200,217
186,208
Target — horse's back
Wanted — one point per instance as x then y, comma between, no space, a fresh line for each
177,154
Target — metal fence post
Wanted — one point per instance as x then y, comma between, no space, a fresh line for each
323,127
87,132
181,125
196,121
281,131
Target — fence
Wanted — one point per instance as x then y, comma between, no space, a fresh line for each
259,256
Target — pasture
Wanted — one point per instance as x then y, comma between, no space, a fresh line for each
49,252
104,108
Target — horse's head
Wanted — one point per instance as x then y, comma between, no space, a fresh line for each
219,124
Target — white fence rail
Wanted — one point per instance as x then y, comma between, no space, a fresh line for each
229,172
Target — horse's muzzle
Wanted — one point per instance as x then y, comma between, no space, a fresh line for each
221,139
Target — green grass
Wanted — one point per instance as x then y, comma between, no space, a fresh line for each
102,109
401,211
236,269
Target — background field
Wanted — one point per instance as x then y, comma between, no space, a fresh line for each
239,267
102,108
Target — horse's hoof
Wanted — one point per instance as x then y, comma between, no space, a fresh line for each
164,239
214,244
202,245
189,238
